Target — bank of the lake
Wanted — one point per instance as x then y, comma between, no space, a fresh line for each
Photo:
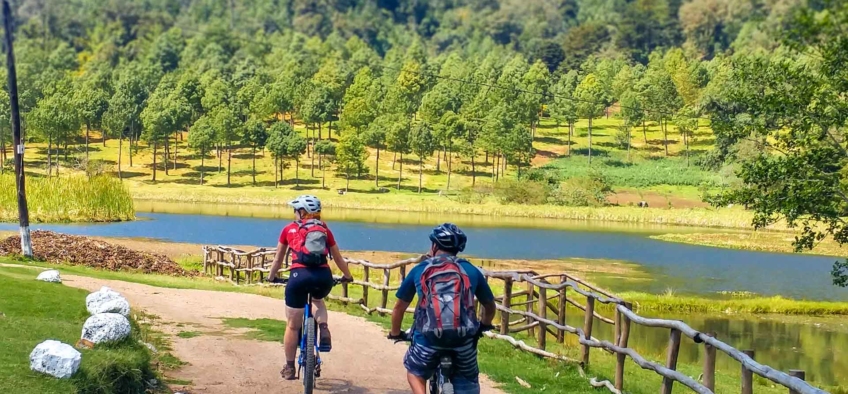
409,201
68,199
762,241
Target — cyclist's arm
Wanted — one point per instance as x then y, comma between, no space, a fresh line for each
397,316
405,294
486,298
278,259
340,261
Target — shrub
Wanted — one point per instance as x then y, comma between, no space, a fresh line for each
509,191
588,191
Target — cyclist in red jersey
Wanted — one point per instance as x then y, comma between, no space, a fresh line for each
306,279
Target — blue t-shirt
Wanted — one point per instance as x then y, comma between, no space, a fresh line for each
412,286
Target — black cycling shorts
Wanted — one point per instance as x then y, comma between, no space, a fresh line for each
305,281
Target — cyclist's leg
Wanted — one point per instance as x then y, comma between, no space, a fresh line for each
420,363
321,283
296,295
465,376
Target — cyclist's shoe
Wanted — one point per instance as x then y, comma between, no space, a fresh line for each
324,343
288,373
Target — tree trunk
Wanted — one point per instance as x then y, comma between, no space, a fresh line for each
323,172
319,131
664,127
64,151
254,164
49,155
103,133
570,132
154,160
450,161
590,140
229,162
220,157
645,132
438,162
473,170
347,183
297,172
377,169
394,160
87,133
202,159
628,142
309,137
420,172
330,131
276,172
176,150
400,174
120,153
131,141
165,155
312,165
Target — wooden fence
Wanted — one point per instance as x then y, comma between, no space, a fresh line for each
536,305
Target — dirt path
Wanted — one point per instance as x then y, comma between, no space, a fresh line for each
219,361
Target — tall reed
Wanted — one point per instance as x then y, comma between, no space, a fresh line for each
72,198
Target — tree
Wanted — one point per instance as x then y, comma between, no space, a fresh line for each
202,139
659,93
535,82
375,138
228,130
255,135
161,117
55,119
397,139
278,136
295,147
326,150
590,102
632,114
91,101
563,104
421,144
350,155
798,108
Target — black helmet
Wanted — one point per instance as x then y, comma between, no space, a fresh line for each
449,238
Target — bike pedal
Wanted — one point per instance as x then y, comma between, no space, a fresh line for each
325,349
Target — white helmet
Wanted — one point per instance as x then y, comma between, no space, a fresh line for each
308,203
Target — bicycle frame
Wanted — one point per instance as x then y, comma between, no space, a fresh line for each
307,313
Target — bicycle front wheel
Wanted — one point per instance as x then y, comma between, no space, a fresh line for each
309,367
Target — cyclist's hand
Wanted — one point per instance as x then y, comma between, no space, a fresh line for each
483,328
347,279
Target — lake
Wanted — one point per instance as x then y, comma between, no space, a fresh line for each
684,268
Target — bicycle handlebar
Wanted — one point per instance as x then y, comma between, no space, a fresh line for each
406,336
282,281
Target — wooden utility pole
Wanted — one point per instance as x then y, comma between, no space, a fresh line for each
23,212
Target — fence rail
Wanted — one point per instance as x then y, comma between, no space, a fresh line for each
539,302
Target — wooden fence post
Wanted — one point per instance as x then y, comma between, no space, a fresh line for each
365,287
623,338
385,300
797,373
344,292
507,301
747,375
561,315
402,273
543,313
529,308
709,364
671,359
588,320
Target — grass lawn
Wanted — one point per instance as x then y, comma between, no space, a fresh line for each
34,311
541,374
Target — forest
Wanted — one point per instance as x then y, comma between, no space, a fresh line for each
472,78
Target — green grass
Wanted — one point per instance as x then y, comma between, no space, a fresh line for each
36,311
539,373
675,303
260,329
755,240
640,172
71,198
188,334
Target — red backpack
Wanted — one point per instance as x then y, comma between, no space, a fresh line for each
309,246
445,314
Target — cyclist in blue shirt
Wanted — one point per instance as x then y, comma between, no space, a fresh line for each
422,358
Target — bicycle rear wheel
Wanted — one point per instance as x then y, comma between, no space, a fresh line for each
309,366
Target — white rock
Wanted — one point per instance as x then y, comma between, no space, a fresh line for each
50,276
106,327
107,300
55,358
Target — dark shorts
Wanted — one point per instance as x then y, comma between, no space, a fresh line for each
422,361
305,281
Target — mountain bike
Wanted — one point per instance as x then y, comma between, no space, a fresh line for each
309,352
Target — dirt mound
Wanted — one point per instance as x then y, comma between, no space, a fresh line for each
76,250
